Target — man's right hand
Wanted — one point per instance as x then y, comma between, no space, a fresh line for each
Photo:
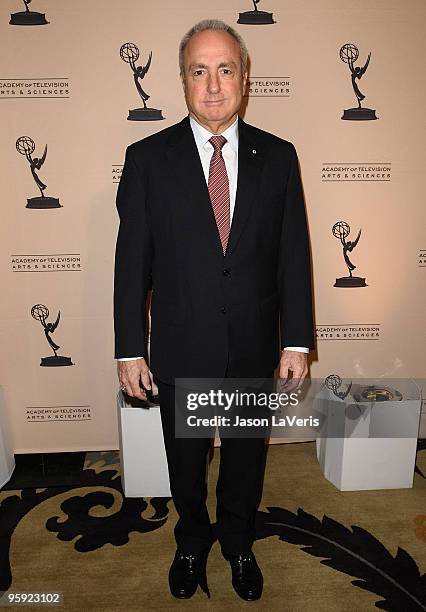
134,377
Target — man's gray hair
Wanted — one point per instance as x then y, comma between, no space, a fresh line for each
213,24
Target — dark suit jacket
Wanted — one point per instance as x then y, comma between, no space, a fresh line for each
207,307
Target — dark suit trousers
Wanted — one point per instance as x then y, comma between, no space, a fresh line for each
238,490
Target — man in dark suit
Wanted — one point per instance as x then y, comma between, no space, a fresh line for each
212,215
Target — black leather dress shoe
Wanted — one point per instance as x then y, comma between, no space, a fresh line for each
187,571
247,578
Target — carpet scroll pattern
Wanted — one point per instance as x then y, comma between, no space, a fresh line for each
395,580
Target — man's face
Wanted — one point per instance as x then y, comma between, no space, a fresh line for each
212,81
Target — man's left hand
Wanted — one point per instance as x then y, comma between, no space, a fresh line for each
297,363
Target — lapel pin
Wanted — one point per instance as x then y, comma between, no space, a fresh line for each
254,151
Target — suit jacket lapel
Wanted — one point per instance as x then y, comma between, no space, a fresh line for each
188,173
249,168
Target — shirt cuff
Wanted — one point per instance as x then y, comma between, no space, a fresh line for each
300,349
128,358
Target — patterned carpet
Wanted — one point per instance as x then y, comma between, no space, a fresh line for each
321,550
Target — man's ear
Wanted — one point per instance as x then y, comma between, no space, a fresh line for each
182,80
245,76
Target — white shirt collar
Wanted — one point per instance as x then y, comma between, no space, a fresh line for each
202,136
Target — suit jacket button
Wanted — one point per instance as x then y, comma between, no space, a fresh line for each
226,272
223,310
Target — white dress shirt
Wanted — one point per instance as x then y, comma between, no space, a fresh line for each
230,156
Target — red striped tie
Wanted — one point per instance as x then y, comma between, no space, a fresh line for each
219,190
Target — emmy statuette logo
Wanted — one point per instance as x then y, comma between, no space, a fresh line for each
27,17
333,382
129,53
25,146
341,230
39,312
256,17
349,54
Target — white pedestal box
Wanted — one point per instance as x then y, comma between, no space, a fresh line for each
144,471
369,444
7,459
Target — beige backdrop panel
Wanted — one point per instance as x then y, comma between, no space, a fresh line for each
73,408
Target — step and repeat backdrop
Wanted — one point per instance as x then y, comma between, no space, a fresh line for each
80,80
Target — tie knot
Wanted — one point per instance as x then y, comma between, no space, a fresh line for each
217,142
